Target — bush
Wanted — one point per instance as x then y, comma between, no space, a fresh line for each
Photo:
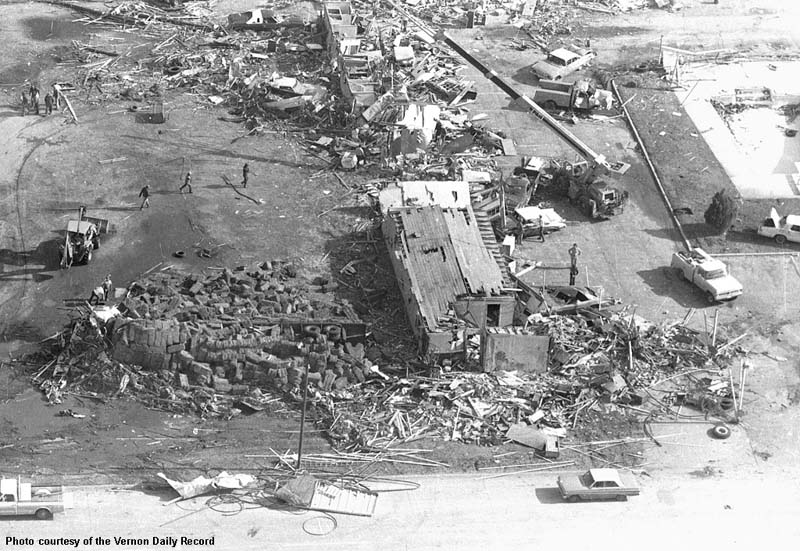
722,211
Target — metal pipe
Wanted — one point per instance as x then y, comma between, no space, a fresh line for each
652,168
302,419
757,254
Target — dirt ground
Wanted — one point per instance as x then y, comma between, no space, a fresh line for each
50,166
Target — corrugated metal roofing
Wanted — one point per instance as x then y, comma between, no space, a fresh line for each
424,193
446,258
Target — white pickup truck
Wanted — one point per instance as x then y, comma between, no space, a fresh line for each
707,273
19,498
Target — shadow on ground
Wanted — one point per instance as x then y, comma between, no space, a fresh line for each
548,495
666,282
44,258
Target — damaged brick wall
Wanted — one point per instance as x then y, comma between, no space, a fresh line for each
239,328
149,343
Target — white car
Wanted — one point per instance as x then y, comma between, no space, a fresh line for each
529,216
707,273
562,62
781,229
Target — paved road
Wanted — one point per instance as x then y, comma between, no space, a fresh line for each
460,512
627,256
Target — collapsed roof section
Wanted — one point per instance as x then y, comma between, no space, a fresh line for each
444,261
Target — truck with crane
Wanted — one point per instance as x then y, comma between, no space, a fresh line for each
596,196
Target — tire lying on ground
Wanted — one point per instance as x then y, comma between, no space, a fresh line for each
721,432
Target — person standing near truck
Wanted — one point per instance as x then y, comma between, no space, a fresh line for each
24,98
48,104
574,253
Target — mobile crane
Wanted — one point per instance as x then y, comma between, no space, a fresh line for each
588,183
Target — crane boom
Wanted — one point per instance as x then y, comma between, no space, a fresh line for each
592,157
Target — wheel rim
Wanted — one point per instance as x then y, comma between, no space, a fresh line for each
780,239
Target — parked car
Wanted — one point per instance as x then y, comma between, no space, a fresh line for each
707,273
598,484
562,62
529,217
781,229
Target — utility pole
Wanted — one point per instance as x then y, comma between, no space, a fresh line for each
302,419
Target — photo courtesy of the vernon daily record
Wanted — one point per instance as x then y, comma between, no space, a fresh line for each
399,274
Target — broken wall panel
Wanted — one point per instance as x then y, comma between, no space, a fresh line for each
516,352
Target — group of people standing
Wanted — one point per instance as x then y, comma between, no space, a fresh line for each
30,100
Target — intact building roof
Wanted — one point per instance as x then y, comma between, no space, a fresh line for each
445,257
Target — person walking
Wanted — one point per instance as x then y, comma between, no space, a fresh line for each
48,104
187,182
245,174
107,286
145,195
24,97
541,228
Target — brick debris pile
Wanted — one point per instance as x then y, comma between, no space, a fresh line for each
193,342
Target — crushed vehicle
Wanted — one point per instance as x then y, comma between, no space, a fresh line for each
562,62
707,273
559,299
594,196
781,229
598,484
81,239
529,218
19,498
582,95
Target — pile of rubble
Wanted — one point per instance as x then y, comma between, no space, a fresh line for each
371,106
206,343
601,363
236,341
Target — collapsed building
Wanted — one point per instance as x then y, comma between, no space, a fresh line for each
355,58
453,277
